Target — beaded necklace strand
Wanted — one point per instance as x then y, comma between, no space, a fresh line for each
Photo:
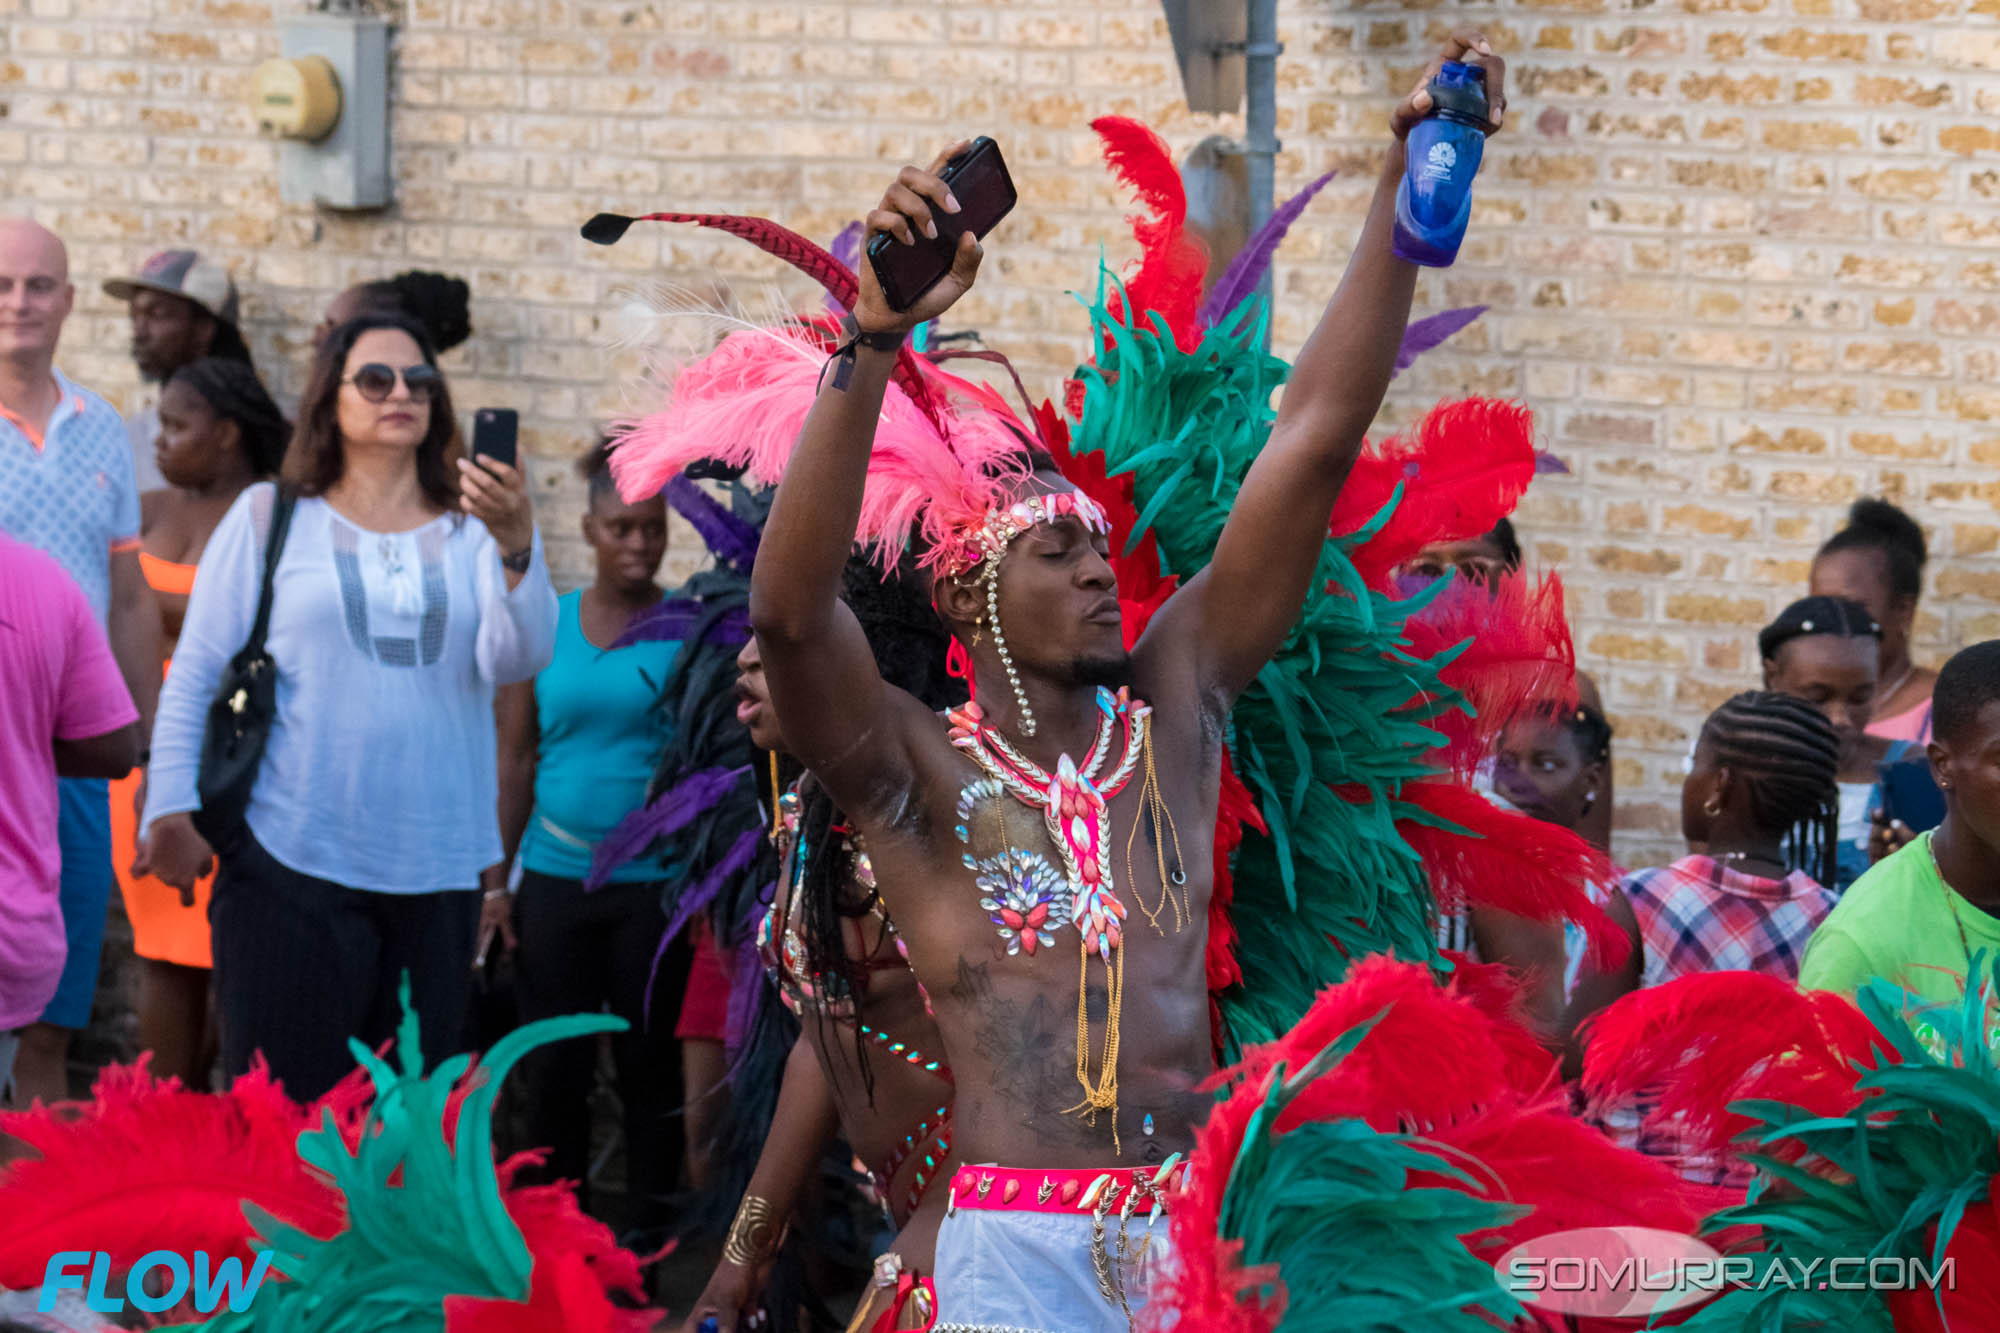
1073,803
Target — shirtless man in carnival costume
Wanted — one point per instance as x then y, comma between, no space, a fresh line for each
1045,850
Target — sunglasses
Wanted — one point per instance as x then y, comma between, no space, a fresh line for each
376,382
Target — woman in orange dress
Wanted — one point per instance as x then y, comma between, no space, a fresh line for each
219,431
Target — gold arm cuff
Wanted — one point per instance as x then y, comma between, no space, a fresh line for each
754,1235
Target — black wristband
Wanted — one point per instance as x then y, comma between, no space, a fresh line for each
880,342
518,561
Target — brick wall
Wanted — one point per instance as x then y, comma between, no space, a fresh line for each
1741,253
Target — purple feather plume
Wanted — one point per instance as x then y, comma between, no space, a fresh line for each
846,248
675,618
733,541
1253,261
1431,330
697,897
1548,462
671,810
747,983
668,618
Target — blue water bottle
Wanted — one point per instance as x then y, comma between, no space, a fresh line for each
1435,198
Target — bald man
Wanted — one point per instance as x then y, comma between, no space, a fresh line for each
66,488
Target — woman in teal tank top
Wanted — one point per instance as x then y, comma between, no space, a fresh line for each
577,746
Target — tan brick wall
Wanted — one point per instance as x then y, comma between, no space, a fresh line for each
1742,253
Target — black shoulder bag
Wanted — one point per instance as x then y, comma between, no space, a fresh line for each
240,716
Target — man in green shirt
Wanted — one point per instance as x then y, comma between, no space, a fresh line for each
1917,918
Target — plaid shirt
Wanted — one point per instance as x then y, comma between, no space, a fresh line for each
1698,915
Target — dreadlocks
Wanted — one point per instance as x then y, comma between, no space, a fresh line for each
1787,756
232,390
910,643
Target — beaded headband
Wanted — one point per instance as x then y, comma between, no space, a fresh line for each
993,534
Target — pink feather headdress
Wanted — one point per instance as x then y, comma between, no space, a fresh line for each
948,460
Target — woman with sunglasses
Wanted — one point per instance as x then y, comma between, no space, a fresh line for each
410,586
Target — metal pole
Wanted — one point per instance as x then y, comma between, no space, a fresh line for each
1260,120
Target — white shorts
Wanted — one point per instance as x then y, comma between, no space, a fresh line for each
1009,1271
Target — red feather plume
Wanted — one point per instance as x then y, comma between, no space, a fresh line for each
1465,466
146,1162
775,239
1687,1042
822,266
1510,862
1173,264
1518,656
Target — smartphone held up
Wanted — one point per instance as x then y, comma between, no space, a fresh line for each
495,435
985,192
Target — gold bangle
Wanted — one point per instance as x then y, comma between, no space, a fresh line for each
753,1235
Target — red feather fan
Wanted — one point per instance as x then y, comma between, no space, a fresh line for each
146,1162
1465,466
1688,1043
1490,1061
1512,863
1518,656
1483,1087
1568,1172
1173,264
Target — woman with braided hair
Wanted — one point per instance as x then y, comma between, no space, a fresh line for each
869,1064
1761,798
1826,651
219,432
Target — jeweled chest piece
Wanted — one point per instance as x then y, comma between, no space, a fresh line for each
1146,1125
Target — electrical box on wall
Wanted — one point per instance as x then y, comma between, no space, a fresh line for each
327,98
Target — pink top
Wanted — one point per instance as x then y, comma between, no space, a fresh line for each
61,684
1912,724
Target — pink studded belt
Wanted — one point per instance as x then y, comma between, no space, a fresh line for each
1083,1192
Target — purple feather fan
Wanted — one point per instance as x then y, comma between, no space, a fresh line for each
1253,261
733,540
671,810
1431,330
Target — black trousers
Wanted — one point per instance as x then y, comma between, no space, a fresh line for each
303,964
585,952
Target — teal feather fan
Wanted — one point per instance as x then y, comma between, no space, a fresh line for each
425,1216
1907,1175
1339,719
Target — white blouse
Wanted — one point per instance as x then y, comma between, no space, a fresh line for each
380,770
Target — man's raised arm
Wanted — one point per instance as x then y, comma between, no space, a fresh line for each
1247,598
829,696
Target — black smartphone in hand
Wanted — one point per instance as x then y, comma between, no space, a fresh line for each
495,435
985,192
